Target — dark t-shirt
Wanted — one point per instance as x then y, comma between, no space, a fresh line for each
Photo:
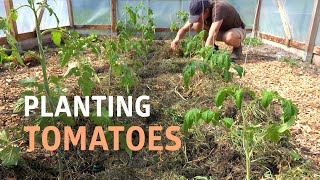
226,12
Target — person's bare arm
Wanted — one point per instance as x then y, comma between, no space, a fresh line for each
213,33
181,33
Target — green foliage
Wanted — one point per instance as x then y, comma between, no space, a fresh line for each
215,63
251,133
252,41
6,26
134,39
295,155
9,153
267,98
56,37
182,16
291,61
140,22
104,120
190,45
72,54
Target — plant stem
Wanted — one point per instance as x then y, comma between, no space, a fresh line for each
110,71
45,79
43,62
246,145
60,165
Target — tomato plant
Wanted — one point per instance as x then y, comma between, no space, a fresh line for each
190,45
135,36
215,63
182,16
248,132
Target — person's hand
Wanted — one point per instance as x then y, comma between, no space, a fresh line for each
175,44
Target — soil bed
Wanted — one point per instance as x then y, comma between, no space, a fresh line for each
206,151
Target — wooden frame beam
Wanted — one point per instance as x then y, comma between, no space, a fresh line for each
29,35
114,15
295,44
97,27
285,22
8,6
257,18
70,12
310,43
25,36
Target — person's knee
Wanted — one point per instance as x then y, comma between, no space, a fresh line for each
228,37
232,38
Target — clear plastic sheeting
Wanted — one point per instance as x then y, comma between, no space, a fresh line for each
270,19
318,37
92,12
165,12
60,7
26,19
299,13
2,14
246,9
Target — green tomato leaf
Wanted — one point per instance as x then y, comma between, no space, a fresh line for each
228,122
239,98
240,70
273,133
68,121
65,57
215,120
267,98
4,138
104,119
207,116
28,82
72,70
86,84
227,64
2,23
227,76
56,37
186,78
191,117
220,97
10,155
19,106
289,110
286,126
14,14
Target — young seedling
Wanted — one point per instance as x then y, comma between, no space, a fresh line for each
216,63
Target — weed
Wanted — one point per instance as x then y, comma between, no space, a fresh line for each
292,62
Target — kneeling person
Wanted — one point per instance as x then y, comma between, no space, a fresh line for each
220,19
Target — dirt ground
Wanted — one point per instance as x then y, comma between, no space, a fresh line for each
205,152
